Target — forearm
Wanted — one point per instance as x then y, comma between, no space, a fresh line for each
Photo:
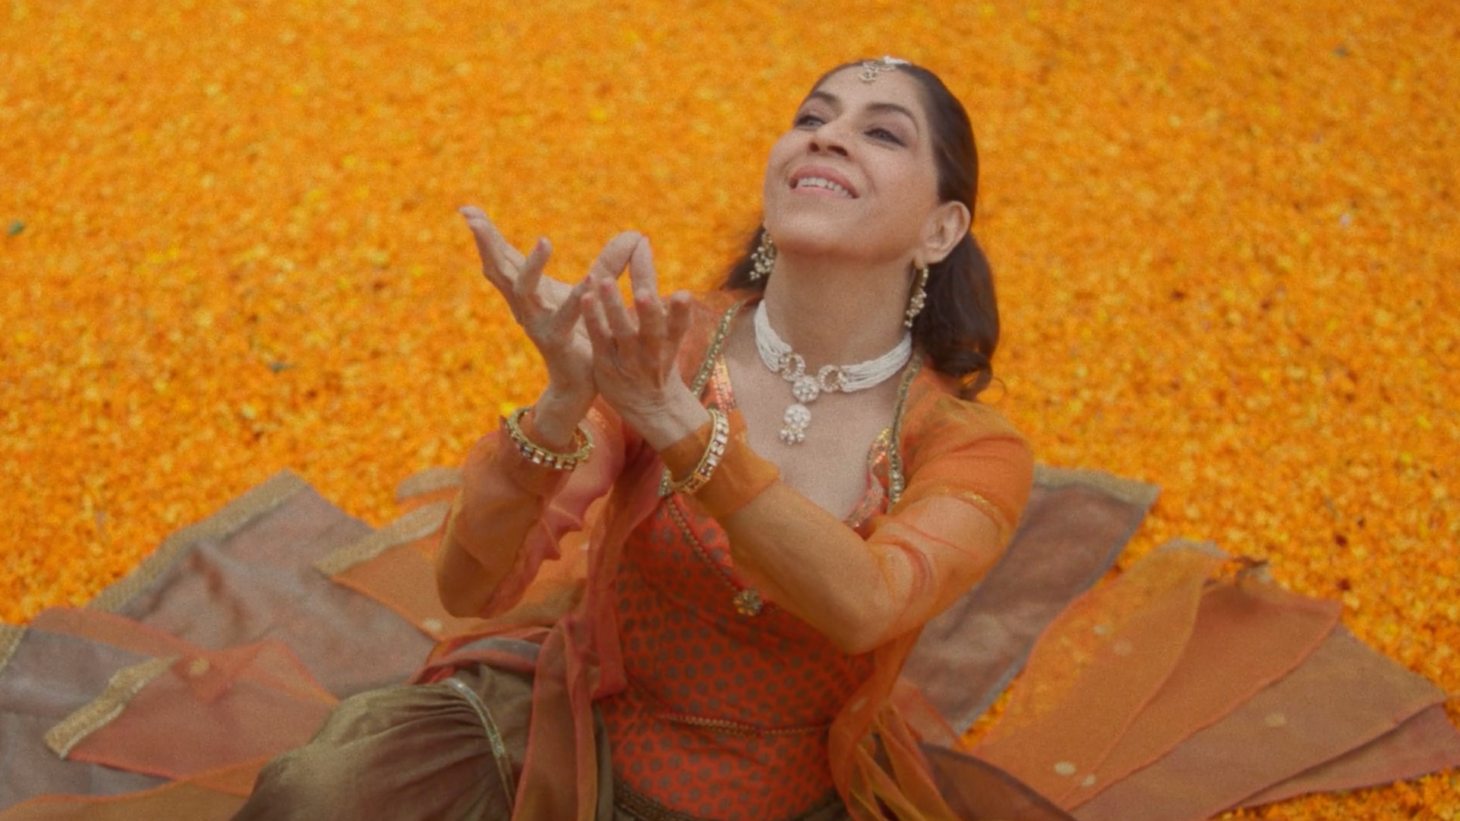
858,591
812,565
510,514
490,520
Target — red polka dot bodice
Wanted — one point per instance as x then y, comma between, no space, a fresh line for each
726,713
729,699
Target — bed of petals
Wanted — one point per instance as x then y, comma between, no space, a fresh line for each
1227,239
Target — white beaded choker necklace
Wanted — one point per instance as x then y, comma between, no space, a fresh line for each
779,357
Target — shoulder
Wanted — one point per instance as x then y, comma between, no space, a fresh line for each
712,310
961,448
710,307
935,418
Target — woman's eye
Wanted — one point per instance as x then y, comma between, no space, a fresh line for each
884,135
808,121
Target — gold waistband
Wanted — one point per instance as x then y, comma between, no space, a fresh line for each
644,808
725,725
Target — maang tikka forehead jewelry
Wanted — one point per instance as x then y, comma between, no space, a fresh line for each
871,68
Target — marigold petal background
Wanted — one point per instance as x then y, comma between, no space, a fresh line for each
1226,237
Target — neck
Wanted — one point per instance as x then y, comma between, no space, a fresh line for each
834,314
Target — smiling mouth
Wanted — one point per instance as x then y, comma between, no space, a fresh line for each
823,184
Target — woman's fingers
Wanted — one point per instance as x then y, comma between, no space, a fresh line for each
647,304
560,324
531,272
497,264
614,257
620,324
596,323
651,323
519,279
681,314
642,279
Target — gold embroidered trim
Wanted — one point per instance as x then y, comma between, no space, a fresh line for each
426,481
717,341
10,636
124,686
1128,491
896,482
876,500
1203,547
494,738
253,503
978,500
418,524
725,725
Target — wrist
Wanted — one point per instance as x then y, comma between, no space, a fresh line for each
555,417
724,475
672,421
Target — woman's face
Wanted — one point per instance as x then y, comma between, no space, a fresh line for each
855,176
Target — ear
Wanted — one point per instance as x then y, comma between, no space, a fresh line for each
946,226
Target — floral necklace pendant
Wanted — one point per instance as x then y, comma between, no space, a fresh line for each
805,387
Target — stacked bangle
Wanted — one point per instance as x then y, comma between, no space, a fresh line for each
582,445
709,460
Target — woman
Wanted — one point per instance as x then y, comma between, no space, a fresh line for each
794,478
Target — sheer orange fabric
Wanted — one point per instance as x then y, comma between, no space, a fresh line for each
964,466
257,699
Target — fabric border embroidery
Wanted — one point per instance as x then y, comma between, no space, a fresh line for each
10,638
707,367
896,481
426,481
124,686
1124,490
418,524
253,503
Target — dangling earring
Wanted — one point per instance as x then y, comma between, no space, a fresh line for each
764,257
919,296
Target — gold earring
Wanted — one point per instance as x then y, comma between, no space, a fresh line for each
919,296
764,257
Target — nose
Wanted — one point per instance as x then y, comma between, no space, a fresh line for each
829,137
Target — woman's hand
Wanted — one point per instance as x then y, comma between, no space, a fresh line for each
636,356
548,312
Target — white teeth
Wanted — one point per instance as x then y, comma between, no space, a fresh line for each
821,182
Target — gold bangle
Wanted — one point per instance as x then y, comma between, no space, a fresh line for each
582,444
709,460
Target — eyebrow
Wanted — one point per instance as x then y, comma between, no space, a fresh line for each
876,108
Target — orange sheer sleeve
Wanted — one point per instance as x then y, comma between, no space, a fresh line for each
969,474
511,515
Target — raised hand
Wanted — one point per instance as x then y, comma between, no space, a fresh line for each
635,355
548,311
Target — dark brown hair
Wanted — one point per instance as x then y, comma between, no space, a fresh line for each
959,327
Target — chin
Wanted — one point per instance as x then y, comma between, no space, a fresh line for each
809,233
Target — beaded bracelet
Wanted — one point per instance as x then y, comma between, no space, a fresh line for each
582,444
709,460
